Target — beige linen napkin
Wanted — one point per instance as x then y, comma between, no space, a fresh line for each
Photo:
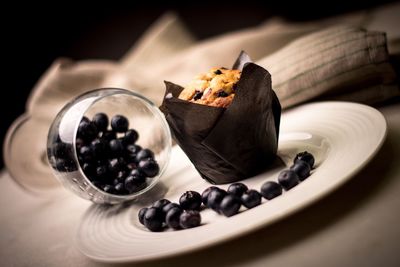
329,59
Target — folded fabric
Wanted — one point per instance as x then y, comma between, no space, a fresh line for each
338,61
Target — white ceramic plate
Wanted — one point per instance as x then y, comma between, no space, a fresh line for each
342,136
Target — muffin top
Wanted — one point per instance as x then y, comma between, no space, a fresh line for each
215,88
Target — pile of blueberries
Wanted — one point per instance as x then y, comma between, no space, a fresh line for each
287,179
110,158
63,159
163,213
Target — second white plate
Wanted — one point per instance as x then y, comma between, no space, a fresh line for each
343,137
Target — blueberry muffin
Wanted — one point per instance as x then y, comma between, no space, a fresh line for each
215,88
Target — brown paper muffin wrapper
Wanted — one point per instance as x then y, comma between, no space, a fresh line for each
228,144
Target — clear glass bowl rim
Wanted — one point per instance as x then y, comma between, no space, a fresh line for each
110,92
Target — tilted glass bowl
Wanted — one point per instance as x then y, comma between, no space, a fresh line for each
143,116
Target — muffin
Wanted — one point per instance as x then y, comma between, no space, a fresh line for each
215,88
226,140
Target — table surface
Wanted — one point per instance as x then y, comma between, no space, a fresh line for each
357,225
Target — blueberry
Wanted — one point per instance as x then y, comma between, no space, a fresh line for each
251,198
85,119
101,121
99,148
222,93
144,154
206,192
116,147
60,150
197,95
120,189
230,205
119,123
133,149
130,165
160,203
153,219
117,181
190,200
138,174
190,219
214,198
101,172
70,165
131,152
141,213
122,140
306,157
169,206
108,189
86,153
302,169
108,136
234,87
237,189
149,167
79,143
131,136
270,190
288,179
121,175
172,217
87,130
61,165
115,165
134,183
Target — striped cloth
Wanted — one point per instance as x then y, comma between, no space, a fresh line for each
336,63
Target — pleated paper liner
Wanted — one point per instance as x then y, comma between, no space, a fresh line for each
228,144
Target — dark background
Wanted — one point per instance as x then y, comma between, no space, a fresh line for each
34,36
